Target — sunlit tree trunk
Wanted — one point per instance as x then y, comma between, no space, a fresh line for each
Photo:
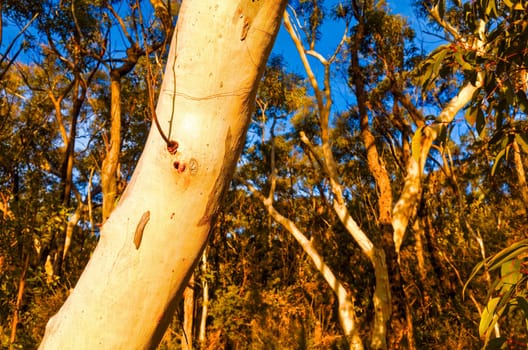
521,176
400,319
346,311
202,338
113,147
381,296
188,315
409,197
148,248
16,312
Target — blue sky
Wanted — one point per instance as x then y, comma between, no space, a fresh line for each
332,33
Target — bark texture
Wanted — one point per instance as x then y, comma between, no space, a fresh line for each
140,268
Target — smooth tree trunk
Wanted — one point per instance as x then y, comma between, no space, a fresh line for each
109,175
188,316
202,335
110,164
148,248
346,310
406,205
521,175
409,197
381,298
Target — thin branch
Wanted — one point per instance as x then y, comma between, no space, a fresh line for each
302,54
121,24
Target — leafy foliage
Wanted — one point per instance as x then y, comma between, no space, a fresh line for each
508,294
265,292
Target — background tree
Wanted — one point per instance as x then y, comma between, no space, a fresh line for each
437,189
168,235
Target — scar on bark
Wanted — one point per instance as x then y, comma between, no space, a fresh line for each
138,235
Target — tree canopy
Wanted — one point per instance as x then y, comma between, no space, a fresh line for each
380,200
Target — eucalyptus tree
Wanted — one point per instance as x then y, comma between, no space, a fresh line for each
273,163
40,187
153,239
382,77
486,42
144,37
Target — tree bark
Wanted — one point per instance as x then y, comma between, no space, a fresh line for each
346,310
154,237
521,176
21,289
202,335
188,315
113,149
406,205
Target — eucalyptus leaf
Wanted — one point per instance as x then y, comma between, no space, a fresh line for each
487,319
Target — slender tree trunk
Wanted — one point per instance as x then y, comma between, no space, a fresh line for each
70,226
521,176
78,95
111,160
188,315
346,310
149,246
323,97
400,319
406,205
20,295
202,335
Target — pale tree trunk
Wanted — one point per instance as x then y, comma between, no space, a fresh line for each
346,311
406,205
109,167
521,176
149,246
410,195
188,315
202,338
70,226
381,298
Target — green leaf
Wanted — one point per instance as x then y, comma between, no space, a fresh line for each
487,318
459,58
416,143
519,6
471,115
497,260
430,68
511,252
511,274
497,159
